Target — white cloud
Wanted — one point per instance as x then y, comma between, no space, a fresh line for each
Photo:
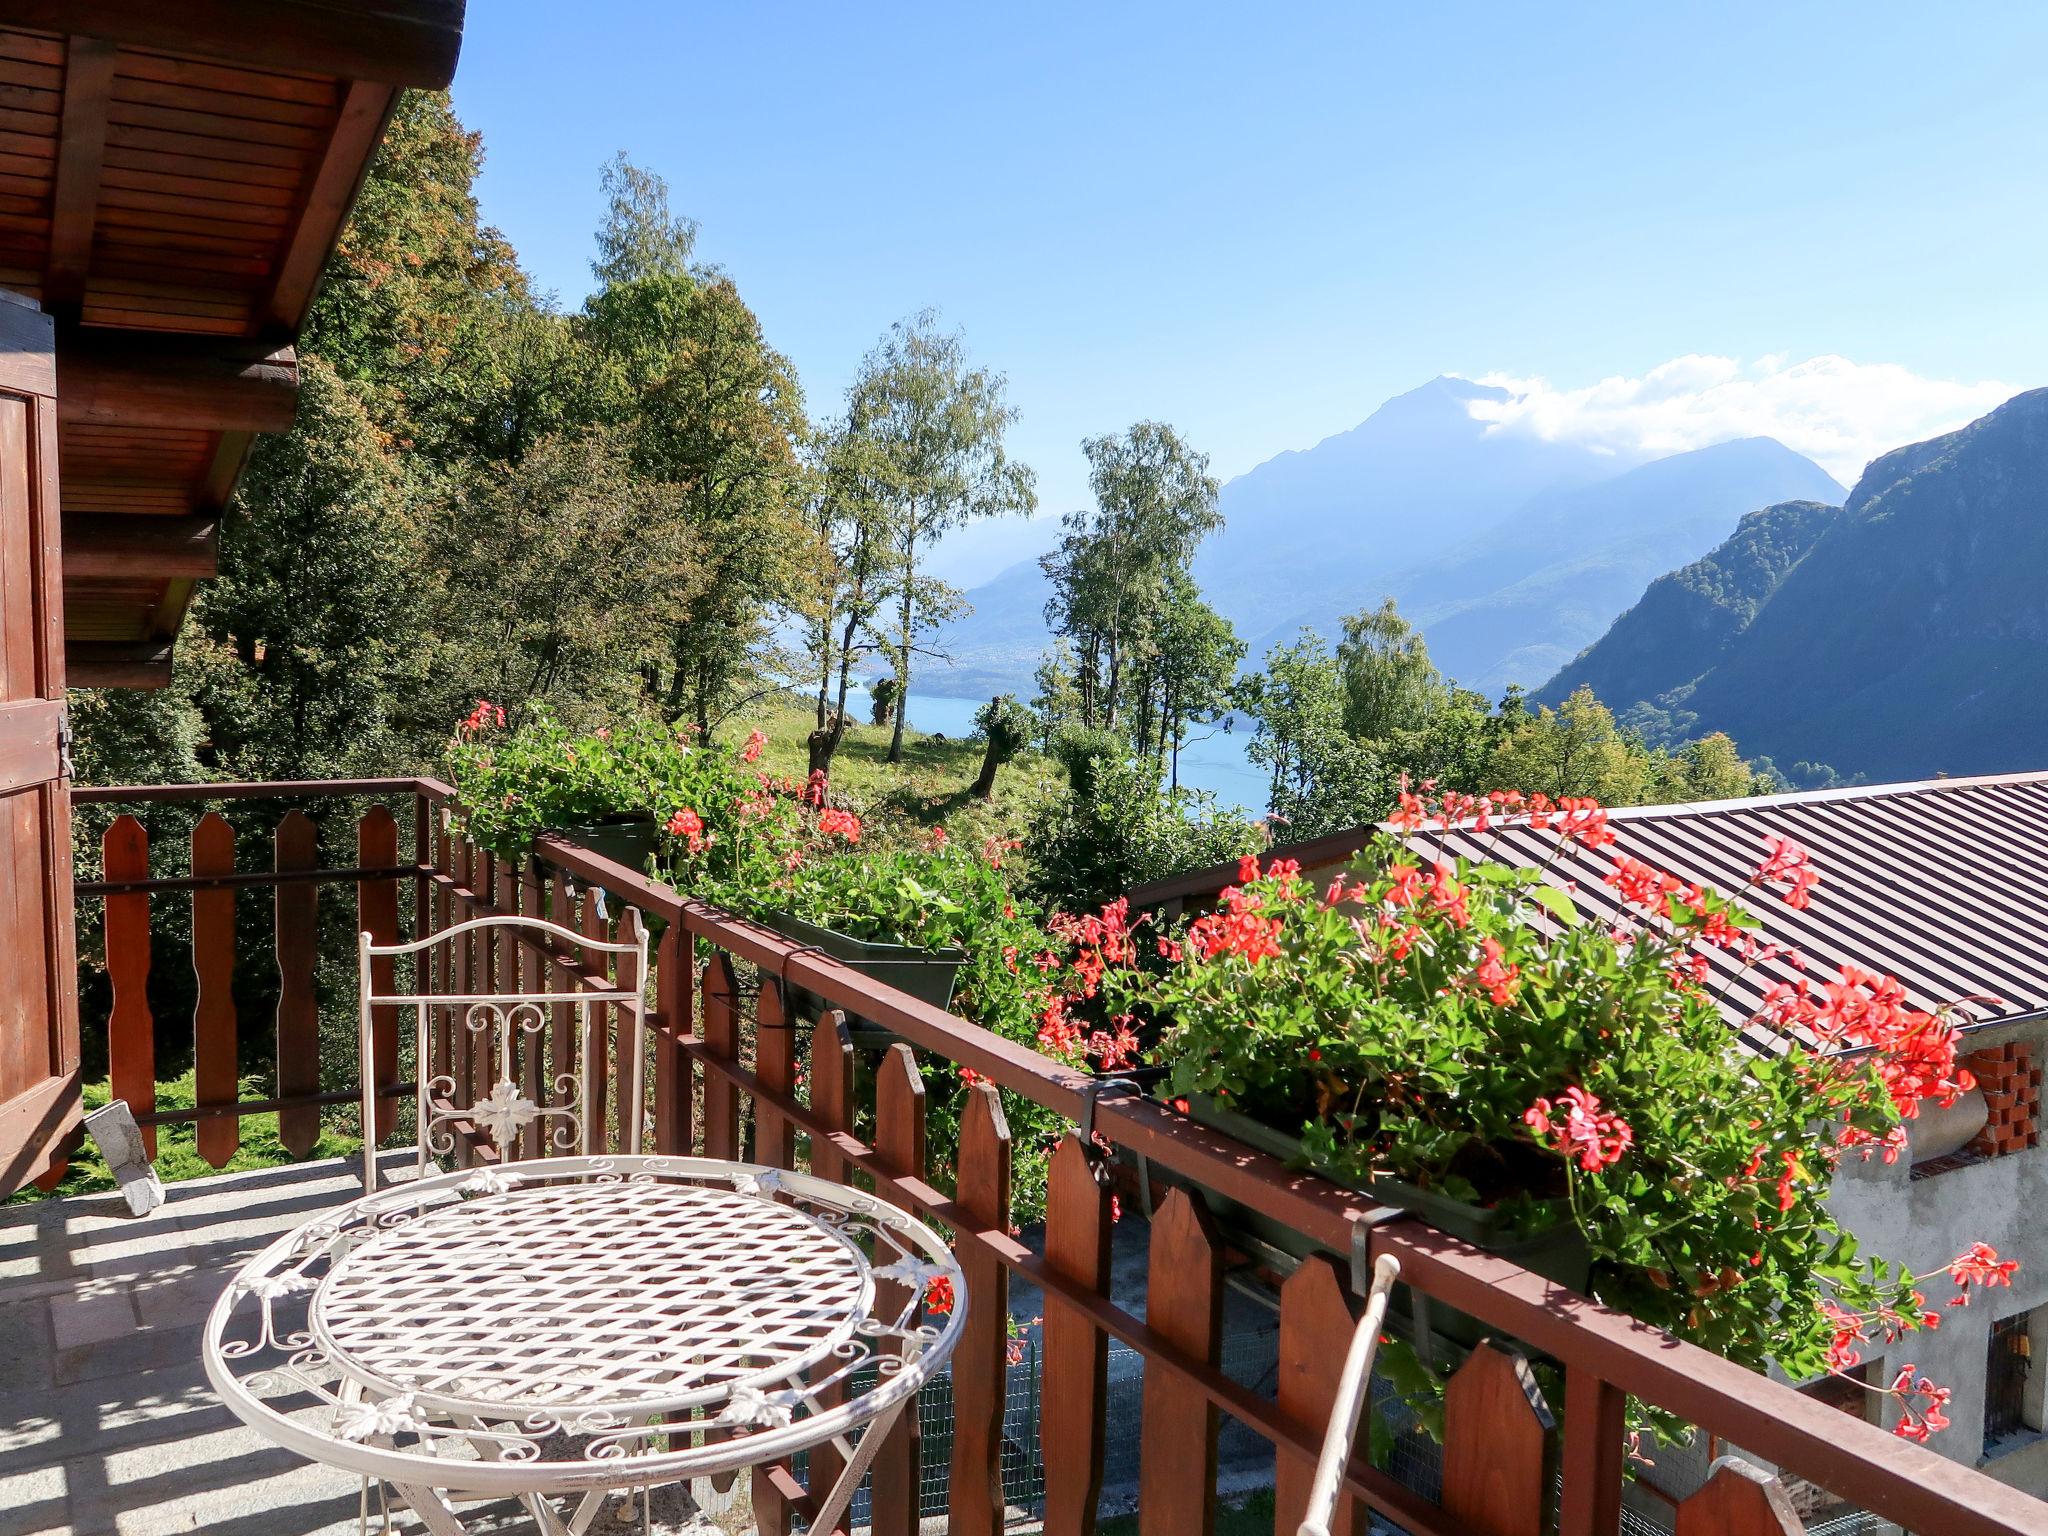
1839,413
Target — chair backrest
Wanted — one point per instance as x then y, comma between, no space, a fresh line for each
515,1068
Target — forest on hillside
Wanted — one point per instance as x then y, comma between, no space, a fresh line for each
630,509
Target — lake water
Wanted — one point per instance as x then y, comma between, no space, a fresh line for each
1216,762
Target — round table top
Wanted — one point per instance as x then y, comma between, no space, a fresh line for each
528,1330
634,1296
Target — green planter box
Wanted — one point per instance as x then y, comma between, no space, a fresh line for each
1557,1252
629,840
925,974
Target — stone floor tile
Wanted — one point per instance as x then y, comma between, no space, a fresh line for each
179,1301
95,1314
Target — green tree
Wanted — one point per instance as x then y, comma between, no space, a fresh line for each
1575,749
1190,673
1390,684
316,601
1321,777
850,517
560,580
1004,726
936,425
1113,575
716,411
415,280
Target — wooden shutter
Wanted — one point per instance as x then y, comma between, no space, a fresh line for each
38,969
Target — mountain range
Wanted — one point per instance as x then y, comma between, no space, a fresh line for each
1898,636
1512,552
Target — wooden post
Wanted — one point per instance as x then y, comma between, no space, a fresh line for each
1070,1427
981,1363
675,993
215,1077
532,1047
131,1031
562,1047
596,1032
1594,1446
721,1098
298,1012
899,1142
1184,1304
1739,1500
441,1044
631,1075
377,915
832,1102
775,1069
775,1145
1315,1329
1497,1444
461,981
483,978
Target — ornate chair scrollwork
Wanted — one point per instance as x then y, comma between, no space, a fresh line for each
513,1069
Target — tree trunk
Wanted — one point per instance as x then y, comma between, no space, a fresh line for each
907,613
985,781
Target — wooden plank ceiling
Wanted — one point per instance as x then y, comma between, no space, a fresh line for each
173,175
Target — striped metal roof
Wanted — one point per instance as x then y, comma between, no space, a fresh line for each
1943,884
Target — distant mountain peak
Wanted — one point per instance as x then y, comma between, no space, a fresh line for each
1903,636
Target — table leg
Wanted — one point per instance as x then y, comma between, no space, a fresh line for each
841,1497
436,1511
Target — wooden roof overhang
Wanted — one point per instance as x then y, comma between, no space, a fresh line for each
173,177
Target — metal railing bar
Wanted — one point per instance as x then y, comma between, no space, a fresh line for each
244,877
241,1107
307,789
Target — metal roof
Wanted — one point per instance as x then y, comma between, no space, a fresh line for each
1942,884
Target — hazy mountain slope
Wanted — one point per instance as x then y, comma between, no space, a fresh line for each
1910,639
995,649
1513,554
1520,601
1686,621
1311,535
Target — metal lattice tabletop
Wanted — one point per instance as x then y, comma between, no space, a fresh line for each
583,1325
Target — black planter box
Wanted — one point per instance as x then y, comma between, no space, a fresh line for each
925,974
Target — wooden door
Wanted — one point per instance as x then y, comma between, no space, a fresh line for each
38,971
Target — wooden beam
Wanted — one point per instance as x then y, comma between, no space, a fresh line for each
329,196
117,378
75,196
110,547
117,663
398,42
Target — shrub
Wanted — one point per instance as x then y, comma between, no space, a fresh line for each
882,700
1116,827
1078,748
511,786
1459,1026
1006,726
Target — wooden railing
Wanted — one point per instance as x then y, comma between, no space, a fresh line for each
725,1081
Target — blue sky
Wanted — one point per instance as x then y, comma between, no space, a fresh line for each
1260,222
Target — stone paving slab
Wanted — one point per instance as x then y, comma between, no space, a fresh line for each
108,1426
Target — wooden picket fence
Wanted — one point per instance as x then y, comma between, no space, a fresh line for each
732,1075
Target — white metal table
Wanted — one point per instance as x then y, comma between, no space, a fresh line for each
571,1328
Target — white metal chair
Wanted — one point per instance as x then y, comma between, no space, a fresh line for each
489,1034
1353,1388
